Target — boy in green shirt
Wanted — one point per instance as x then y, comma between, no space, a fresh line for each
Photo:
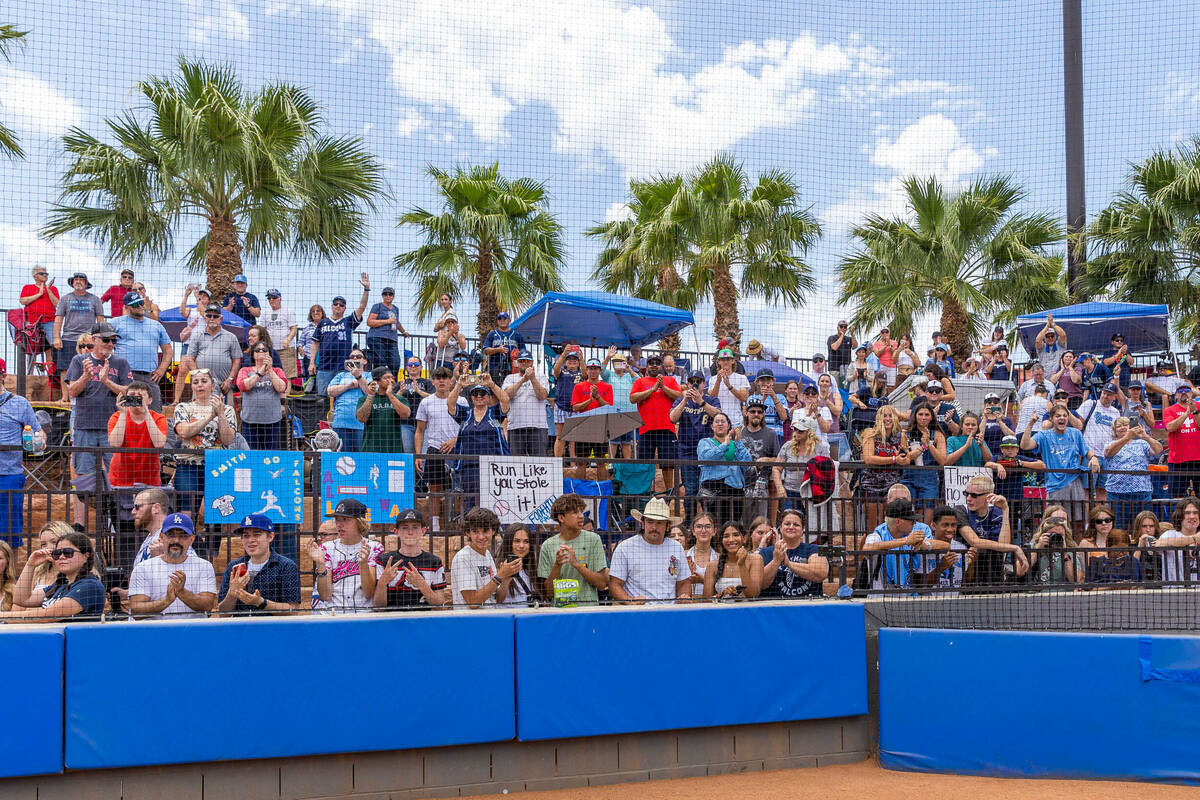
573,554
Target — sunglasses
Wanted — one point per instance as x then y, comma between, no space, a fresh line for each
414,363
217,315
974,494
935,391
200,371
64,552
87,346
389,294
1104,520
40,274
107,339
695,383
339,305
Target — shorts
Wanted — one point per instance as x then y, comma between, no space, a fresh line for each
434,470
85,460
561,416
658,444
1071,493
625,438
1099,481
63,357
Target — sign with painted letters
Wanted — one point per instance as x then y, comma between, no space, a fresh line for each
383,482
238,483
956,482
518,488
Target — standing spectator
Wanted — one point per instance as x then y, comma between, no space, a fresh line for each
40,300
410,576
332,340
723,482
308,336
205,423
257,334
152,309
996,424
841,347
15,415
571,563
1179,565
1165,382
565,372
449,344
884,348
140,340
500,345
1098,417
475,579
1129,451
437,433
776,410
818,367
177,583
756,350
345,567
968,449
1094,375
985,526
214,350
480,429
261,580
1011,467
939,356
1137,406
589,394
1034,407
95,381
263,387
194,316
729,387
1117,360
621,378
762,444
1062,448
384,331
649,567
241,302
907,359
899,531
926,448
115,294
819,413
795,455
1048,346
413,389
136,425
346,389
654,394
792,568
447,305
1037,378
75,595
998,366
1069,378
382,414
1183,441
280,323
74,316
858,373
830,398
692,414
885,451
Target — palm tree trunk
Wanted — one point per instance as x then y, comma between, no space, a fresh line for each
223,256
956,330
668,282
725,304
485,320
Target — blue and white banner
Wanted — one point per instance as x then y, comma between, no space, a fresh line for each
383,482
242,482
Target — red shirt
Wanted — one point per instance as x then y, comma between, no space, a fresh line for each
655,409
1183,444
117,295
887,359
42,309
130,468
583,390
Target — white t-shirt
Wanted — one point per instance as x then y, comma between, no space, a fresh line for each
152,576
1178,565
823,413
1098,431
951,578
650,570
729,403
524,409
342,562
440,427
472,571
698,588
1031,408
277,323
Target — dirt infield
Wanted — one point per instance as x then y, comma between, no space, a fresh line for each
859,781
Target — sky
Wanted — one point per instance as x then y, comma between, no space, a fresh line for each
584,96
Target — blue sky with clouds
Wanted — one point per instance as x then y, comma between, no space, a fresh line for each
584,96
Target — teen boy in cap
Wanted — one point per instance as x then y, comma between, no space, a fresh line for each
410,577
474,576
261,580
176,583
499,346
344,568
649,567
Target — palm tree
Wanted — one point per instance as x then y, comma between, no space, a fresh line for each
10,36
965,255
493,235
760,231
1144,243
253,166
644,253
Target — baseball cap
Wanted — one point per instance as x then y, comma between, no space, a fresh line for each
593,362
410,515
503,314
104,329
1082,356
862,347
724,352
765,372
1110,387
818,357
1060,393
127,271
258,521
991,396
941,347
273,293
524,355
842,322
179,522
132,299
900,509
933,385
80,275
805,424
695,375
1117,335
809,389
240,278
338,297
478,388
349,507
1010,441
654,359
1135,385
1002,346
756,400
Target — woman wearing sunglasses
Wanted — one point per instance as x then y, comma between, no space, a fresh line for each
76,595
263,387
412,388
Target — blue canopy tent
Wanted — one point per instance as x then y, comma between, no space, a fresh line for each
175,322
1090,326
599,319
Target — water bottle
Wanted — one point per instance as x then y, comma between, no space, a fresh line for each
39,443
27,439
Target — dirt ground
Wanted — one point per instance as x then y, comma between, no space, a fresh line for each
860,781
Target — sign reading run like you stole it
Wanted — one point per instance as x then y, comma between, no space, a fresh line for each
520,489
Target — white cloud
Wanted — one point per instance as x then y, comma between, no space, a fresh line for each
218,20
20,244
409,121
617,211
31,106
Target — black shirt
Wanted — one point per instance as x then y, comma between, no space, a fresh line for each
840,357
399,593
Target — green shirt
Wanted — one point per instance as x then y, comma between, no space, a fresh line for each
588,549
381,433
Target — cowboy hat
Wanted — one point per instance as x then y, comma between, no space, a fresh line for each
656,509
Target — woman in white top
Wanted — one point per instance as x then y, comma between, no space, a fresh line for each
906,357
518,543
738,570
447,304
699,546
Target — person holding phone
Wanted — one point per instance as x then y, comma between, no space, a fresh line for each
261,581
346,389
475,579
263,387
135,425
1183,441
76,595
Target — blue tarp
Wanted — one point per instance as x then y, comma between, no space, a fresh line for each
1090,326
783,373
174,322
599,319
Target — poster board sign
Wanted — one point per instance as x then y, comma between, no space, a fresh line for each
956,481
383,482
519,488
238,483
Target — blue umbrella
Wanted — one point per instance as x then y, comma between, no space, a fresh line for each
174,322
783,373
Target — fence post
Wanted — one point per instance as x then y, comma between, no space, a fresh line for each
21,368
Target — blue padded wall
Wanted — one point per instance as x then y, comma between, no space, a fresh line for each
32,736
179,692
1040,704
594,672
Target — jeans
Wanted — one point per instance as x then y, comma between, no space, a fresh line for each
12,509
261,436
1126,506
408,436
324,376
384,353
351,438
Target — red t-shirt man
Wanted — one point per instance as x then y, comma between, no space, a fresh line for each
655,409
130,468
116,295
42,309
1184,444
583,391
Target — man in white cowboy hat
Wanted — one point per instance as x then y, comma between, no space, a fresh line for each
649,567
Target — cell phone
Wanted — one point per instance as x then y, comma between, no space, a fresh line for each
239,570
130,402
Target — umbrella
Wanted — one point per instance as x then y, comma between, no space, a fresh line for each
600,425
174,322
783,373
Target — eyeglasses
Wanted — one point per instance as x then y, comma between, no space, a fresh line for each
64,552
141,505
974,494
1104,520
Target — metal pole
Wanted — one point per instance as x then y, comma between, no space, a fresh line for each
1073,109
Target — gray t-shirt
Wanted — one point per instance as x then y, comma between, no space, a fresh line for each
261,404
78,314
96,403
216,353
388,332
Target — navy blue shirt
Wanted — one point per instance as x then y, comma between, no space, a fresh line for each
987,526
278,581
1096,378
334,340
1126,372
564,386
88,591
1000,371
241,305
788,584
483,438
502,362
694,424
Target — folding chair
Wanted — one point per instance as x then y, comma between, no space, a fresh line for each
50,469
30,337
